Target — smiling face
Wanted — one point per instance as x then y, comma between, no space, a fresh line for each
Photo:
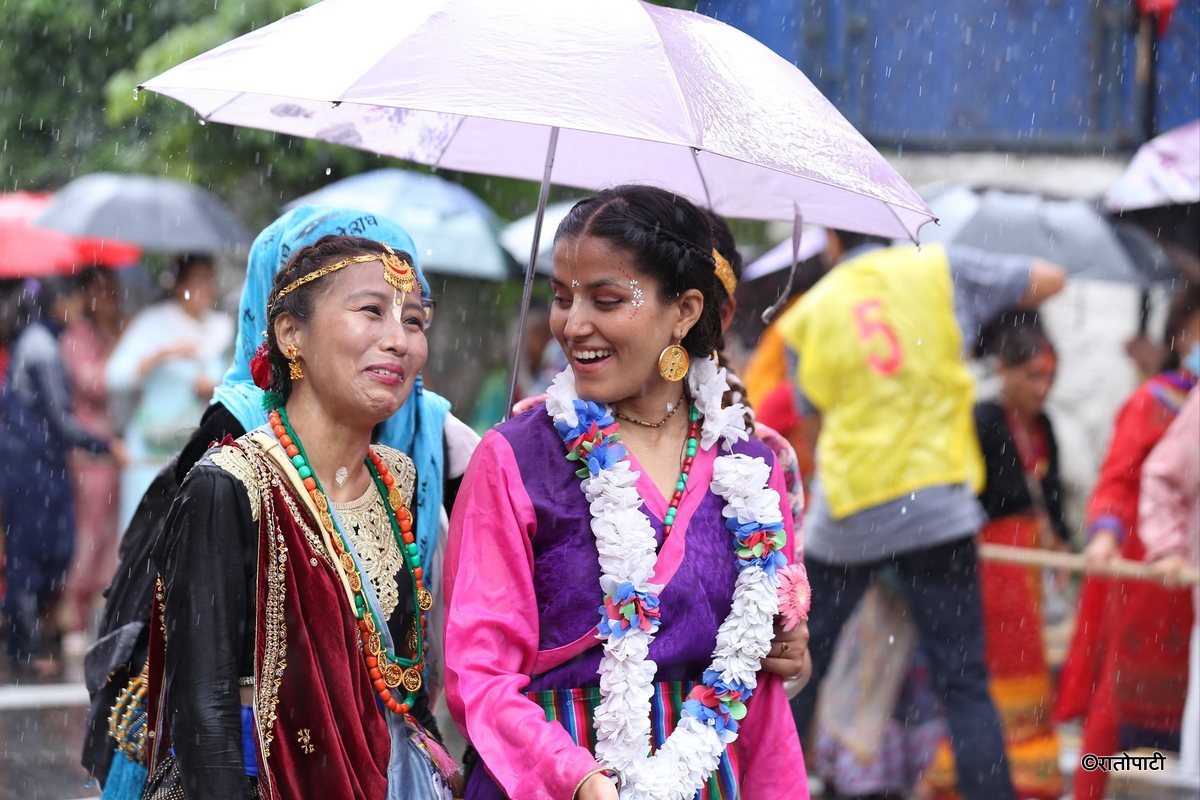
611,322
359,359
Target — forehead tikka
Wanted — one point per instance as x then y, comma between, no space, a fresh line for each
396,271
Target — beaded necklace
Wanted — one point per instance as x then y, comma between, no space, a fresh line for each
387,669
693,442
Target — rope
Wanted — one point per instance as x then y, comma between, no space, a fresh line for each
1074,562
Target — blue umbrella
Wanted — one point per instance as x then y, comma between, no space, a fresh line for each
456,231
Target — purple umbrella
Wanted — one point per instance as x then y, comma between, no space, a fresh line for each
1165,171
574,92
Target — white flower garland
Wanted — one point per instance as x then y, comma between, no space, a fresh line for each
626,546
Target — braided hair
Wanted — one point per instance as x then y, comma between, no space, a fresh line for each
300,303
670,239
725,244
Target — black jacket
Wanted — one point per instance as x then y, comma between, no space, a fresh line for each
1006,491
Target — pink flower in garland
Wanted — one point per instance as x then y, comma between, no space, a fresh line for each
795,596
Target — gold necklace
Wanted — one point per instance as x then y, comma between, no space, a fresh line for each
670,413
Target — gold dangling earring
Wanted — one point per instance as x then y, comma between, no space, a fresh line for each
673,363
295,371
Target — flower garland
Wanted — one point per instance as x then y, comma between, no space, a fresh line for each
630,615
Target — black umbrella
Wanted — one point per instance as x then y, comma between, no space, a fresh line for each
156,213
1069,232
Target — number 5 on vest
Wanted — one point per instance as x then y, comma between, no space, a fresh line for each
885,360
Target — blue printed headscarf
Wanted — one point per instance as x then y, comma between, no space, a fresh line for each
417,427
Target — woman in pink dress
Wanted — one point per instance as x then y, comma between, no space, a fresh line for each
615,553
86,345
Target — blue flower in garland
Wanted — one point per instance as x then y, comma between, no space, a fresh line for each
605,454
734,689
725,725
769,562
589,413
721,713
759,544
627,608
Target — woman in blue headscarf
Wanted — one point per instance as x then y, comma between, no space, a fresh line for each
438,443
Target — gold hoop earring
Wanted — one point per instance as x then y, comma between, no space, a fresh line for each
295,371
673,363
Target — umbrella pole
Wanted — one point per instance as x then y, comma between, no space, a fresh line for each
526,295
781,301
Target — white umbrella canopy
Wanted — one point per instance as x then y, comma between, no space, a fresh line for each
626,90
455,231
781,257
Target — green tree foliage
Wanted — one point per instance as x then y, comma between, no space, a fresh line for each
69,68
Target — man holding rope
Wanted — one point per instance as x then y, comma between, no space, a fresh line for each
879,346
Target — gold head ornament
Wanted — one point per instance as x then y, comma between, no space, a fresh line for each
396,271
724,272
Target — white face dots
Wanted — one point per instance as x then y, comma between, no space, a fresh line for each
638,295
574,284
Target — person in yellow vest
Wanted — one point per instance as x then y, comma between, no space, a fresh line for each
878,345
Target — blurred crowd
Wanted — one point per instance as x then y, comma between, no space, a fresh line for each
95,399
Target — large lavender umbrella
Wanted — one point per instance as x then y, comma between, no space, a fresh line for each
580,93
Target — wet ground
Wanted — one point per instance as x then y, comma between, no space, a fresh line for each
41,725
40,738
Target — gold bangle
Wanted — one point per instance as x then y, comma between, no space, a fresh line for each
583,780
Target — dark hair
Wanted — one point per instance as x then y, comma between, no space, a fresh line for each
87,278
188,263
1184,303
724,243
671,241
1020,338
300,302
35,300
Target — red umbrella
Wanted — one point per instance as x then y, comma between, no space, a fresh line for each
28,251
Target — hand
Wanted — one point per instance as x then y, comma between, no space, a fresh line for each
1147,356
180,350
1170,569
789,657
597,787
120,455
203,386
458,784
1101,550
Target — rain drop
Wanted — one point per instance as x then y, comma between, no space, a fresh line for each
328,171
202,122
